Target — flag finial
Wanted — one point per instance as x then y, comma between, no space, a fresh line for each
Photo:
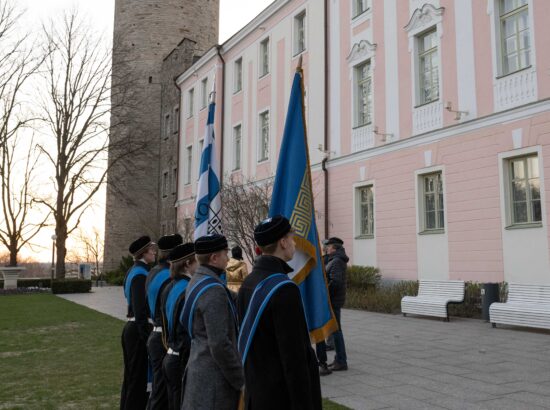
299,66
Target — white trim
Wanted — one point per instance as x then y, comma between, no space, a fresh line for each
232,168
234,91
269,56
303,10
259,137
355,186
465,68
419,195
392,66
358,19
516,114
364,249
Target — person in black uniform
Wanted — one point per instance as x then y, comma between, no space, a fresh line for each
156,281
281,369
137,329
182,266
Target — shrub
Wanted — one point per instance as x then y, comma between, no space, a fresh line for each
30,283
385,299
71,286
116,277
363,277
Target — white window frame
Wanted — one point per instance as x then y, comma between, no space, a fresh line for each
237,148
506,187
261,116
204,93
419,73
359,234
191,102
421,195
499,39
357,95
264,59
189,160
238,75
299,33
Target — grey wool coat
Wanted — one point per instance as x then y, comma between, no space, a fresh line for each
214,375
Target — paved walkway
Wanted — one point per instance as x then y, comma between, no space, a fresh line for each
420,363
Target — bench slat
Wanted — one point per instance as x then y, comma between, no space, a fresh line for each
433,298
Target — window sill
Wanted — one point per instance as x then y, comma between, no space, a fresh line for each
514,72
262,161
237,91
356,127
524,226
264,75
426,103
203,108
235,170
360,237
432,232
357,16
298,53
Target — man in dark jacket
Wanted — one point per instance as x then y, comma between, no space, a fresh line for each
336,273
280,366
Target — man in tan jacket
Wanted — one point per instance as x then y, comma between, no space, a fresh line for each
236,268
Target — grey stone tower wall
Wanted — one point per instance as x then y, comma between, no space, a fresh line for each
145,31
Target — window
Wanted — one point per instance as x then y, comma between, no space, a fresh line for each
300,33
189,164
166,125
191,99
514,35
238,76
363,94
428,67
237,134
359,7
204,93
263,151
365,210
264,57
164,184
174,181
524,198
201,146
176,119
432,201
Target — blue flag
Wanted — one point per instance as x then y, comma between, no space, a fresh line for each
293,198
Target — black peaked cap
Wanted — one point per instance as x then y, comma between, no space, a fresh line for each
182,251
139,244
210,243
272,229
334,241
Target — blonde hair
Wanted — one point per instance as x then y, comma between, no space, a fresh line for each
178,268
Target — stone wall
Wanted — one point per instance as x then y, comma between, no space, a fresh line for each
145,32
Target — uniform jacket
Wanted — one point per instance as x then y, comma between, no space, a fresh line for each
281,369
214,373
157,320
236,270
336,273
138,306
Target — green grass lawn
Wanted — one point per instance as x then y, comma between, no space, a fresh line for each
55,354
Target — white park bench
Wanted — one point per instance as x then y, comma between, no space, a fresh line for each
433,298
527,305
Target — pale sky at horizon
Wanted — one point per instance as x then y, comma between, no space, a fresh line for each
234,14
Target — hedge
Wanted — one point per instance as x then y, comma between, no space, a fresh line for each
71,286
30,283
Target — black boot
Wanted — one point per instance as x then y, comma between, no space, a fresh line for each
324,370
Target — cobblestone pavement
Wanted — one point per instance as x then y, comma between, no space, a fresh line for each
421,363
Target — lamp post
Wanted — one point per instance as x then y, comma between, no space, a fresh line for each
54,237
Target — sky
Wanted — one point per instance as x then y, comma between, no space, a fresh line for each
234,14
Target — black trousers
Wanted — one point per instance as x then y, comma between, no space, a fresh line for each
173,368
158,400
134,386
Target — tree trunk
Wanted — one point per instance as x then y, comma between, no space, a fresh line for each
13,252
61,250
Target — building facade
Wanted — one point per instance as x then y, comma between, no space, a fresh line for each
428,125
145,32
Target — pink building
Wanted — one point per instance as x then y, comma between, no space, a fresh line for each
428,124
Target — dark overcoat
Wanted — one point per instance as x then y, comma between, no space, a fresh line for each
281,369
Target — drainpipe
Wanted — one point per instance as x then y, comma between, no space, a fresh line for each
222,116
327,122
178,153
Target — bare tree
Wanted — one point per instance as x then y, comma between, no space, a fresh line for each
90,245
245,204
76,102
18,63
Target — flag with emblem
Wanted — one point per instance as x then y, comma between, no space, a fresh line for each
293,198
208,206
